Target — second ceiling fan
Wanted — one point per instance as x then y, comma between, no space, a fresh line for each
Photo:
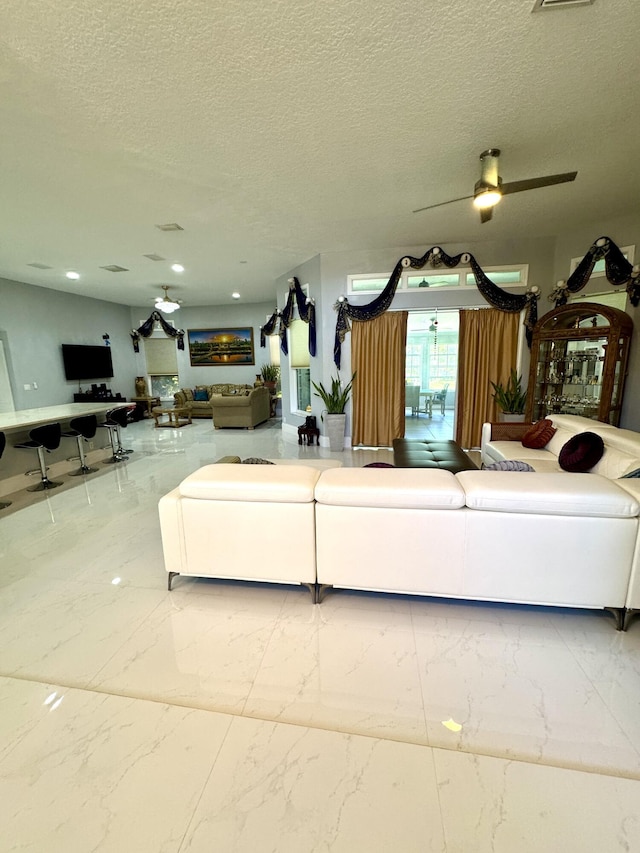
489,189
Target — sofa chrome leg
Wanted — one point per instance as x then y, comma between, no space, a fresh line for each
620,615
172,575
628,616
312,589
323,588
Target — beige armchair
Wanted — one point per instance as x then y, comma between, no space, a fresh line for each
245,409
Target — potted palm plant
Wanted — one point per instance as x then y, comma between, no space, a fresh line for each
510,397
335,402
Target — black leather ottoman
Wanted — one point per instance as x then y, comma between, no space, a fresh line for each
425,453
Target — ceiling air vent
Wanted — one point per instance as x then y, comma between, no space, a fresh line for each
154,257
171,226
114,268
40,266
540,5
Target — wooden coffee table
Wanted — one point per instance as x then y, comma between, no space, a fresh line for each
177,417
145,405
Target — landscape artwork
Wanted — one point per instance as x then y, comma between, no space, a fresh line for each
216,347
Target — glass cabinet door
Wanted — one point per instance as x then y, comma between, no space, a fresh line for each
579,355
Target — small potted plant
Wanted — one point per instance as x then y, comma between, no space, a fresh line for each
270,375
510,398
335,402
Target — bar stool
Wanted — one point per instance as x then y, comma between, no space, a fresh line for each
129,412
115,419
43,438
82,429
3,444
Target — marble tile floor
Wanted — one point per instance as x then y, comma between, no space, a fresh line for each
240,717
438,426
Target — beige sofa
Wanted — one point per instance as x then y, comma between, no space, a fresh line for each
184,398
246,408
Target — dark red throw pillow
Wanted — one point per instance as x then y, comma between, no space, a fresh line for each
379,465
581,452
539,435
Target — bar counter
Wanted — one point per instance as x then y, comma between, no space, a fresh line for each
26,419
17,425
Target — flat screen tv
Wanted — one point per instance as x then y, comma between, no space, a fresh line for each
86,362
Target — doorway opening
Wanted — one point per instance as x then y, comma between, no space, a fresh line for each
431,371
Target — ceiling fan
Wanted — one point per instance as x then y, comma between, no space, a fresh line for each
489,189
165,303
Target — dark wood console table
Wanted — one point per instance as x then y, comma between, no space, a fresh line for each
99,398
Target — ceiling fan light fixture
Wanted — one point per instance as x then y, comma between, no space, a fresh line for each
487,192
165,303
484,196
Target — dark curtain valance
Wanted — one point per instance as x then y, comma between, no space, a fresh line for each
618,271
146,329
306,312
494,295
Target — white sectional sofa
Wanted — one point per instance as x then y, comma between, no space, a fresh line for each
246,522
621,446
559,539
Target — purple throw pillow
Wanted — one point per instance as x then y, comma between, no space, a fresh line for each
581,452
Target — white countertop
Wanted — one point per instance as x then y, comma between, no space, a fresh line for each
26,418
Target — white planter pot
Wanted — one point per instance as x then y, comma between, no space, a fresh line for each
506,418
335,431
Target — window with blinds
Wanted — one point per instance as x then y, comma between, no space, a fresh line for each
162,366
161,356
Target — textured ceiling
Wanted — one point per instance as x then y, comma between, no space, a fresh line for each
275,130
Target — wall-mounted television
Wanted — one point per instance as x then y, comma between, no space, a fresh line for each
86,362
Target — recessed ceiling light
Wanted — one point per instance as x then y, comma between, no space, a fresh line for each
177,267
235,295
73,275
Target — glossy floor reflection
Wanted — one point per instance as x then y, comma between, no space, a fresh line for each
240,717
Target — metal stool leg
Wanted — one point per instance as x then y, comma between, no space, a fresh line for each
84,468
116,456
45,482
121,449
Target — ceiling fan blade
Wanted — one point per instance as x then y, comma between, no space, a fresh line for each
442,203
485,214
535,183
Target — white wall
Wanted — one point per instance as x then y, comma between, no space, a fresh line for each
548,258
307,273
624,231
336,266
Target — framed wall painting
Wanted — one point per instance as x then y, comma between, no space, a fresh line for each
218,347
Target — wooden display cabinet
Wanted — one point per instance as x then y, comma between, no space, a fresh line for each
579,358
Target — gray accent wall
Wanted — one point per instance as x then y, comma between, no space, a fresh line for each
236,315
35,321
